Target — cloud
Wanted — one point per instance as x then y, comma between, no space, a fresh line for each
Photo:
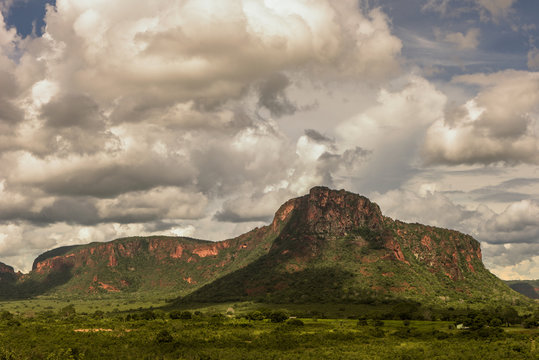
512,262
210,53
517,224
391,130
257,207
158,204
439,6
462,41
102,177
496,8
498,125
431,208
273,96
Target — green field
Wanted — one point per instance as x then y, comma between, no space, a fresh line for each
104,329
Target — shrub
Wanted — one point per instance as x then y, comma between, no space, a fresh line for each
255,315
6,315
164,336
530,323
295,322
278,316
174,314
186,315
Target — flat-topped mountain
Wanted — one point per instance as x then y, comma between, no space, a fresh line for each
326,246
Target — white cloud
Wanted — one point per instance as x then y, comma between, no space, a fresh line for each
498,125
185,50
517,224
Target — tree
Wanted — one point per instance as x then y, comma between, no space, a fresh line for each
508,315
278,316
67,311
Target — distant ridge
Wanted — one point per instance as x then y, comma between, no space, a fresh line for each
529,288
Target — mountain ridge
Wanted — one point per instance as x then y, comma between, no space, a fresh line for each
330,245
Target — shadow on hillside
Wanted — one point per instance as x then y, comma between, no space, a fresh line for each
263,281
14,289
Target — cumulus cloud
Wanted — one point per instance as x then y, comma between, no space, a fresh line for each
517,224
391,130
194,50
498,125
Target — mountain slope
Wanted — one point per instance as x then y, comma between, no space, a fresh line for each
327,246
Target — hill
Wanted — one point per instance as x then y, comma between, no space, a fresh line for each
529,288
326,246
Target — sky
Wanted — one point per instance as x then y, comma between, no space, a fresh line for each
199,118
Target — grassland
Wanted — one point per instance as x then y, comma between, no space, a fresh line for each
120,329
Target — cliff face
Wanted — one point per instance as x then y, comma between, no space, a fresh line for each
6,269
327,245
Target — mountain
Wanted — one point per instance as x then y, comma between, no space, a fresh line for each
326,246
336,246
529,288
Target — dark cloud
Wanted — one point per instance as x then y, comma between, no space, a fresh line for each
73,110
499,196
68,210
273,96
111,179
316,136
9,112
231,216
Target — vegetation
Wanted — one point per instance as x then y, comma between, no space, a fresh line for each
264,331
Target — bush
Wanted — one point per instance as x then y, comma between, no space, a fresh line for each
255,315
6,315
530,323
295,322
186,315
163,336
67,311
278,316
148,315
